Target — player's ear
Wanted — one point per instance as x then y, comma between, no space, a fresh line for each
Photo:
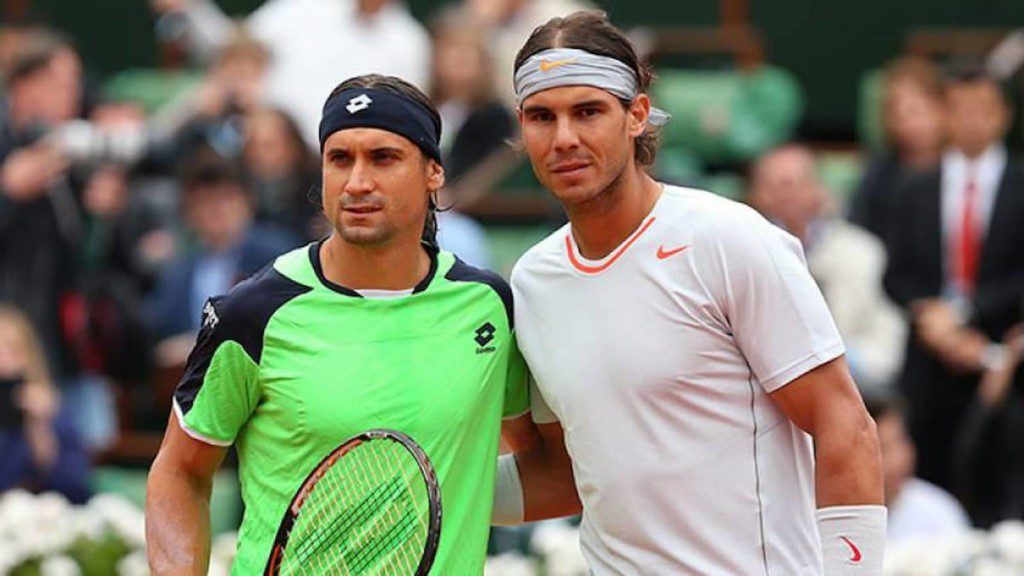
639,111
435,175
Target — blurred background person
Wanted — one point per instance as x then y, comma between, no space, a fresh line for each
45,204
955,265
282,172
476,125
39,450
233,86
507,24
845,261
312,43
227,247
917,508
913,121
989,451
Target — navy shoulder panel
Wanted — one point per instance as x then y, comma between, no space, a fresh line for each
242,316
243,313
462,272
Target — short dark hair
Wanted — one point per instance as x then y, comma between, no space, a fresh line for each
207,169
36,53
400,87
591,30
971,71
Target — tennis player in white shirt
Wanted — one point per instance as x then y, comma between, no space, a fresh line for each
692,388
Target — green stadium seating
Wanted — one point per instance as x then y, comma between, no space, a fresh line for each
728,116
151,89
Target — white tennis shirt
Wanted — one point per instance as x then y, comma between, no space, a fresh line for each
658,360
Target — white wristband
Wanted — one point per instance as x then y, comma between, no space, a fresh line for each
852,539
508,507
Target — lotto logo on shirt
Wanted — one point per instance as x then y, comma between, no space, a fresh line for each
484,336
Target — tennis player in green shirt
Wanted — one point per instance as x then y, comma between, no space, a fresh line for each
372,328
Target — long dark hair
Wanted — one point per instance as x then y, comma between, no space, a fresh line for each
402,88
591,30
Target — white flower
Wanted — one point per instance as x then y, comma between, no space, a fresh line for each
59,566
1007,539
134,564
558,544
123,517
223,550
510,564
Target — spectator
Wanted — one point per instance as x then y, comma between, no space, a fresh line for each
914,132
956,267
38,449
229,247
234,86
41,217
476,125
312,43
282,172
917,509
989,453
475,122
508,23
845,261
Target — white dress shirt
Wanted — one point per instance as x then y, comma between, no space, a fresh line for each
987,170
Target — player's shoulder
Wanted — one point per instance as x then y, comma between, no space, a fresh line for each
545,253
244,312
703,211
711,219
460,271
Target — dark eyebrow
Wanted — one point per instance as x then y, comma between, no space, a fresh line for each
535,109
590,104
387,150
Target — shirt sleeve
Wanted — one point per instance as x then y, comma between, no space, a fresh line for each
517,392
775,310
219,389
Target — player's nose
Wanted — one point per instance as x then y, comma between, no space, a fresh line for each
360,179
566,137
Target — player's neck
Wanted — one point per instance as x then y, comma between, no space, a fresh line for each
398,265
601,225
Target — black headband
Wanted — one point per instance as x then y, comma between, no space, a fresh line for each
369,108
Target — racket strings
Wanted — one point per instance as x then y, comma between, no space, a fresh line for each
366,515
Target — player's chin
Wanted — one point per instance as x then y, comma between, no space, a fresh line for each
575,191
364,235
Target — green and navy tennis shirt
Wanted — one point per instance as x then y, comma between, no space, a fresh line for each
289,365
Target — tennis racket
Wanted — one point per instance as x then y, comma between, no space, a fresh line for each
371,507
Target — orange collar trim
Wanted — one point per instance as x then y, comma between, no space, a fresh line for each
587,269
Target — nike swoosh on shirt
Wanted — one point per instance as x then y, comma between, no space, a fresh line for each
546,65
662,253
853,548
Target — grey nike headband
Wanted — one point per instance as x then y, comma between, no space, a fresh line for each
557,67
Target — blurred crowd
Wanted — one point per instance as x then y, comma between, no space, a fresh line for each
117,222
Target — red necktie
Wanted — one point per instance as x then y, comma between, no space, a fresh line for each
968,240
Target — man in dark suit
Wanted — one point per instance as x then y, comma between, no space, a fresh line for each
228,248
956,265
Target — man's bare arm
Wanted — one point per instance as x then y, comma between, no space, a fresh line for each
545,469
178,503
825,403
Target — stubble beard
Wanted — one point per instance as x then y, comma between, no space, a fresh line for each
602,198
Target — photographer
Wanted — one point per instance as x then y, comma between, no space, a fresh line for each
38,450
62,226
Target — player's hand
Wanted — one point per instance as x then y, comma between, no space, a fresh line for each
28,172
